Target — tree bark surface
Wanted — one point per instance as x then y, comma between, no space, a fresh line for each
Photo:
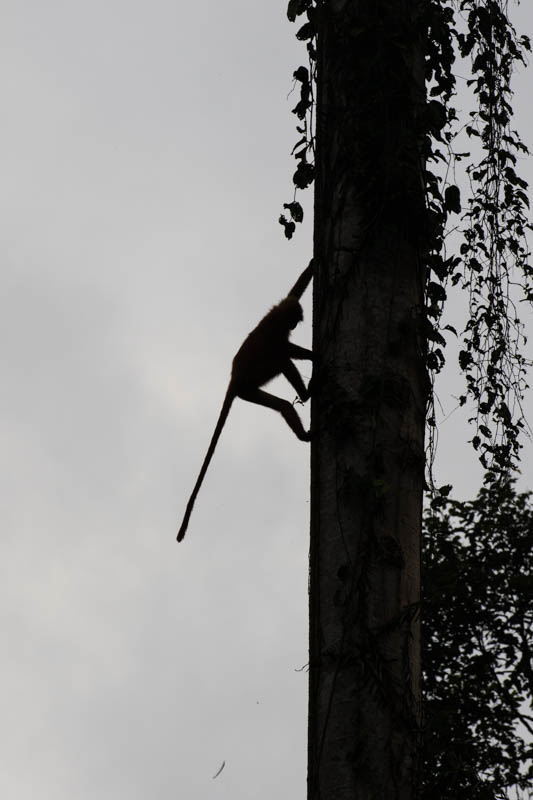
369,403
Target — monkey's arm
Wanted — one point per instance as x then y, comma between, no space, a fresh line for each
295,351
295,379
303,282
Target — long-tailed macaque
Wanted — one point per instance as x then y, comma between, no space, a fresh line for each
265,353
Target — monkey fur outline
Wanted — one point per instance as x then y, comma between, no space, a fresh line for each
265,353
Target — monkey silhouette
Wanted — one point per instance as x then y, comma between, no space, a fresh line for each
265,353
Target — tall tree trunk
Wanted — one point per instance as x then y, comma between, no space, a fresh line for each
369,404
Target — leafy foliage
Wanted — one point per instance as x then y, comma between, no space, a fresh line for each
491,206
478,646
494,217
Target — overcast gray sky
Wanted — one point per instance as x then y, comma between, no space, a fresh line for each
145,158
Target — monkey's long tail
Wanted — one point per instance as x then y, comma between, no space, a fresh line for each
226,405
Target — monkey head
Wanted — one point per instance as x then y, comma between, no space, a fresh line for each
292,311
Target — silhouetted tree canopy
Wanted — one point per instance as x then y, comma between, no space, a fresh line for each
478,645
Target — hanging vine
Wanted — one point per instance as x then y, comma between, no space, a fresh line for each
491,261
304,149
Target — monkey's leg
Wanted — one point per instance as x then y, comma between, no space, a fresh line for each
295,351
283,406
295,379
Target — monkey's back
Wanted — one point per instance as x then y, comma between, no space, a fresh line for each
264,353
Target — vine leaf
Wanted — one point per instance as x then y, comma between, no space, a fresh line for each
452,199
295,210
297,7
289,227
307,31
304,175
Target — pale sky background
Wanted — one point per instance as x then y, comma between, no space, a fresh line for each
145,157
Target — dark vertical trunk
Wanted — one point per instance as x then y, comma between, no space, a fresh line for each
369,405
